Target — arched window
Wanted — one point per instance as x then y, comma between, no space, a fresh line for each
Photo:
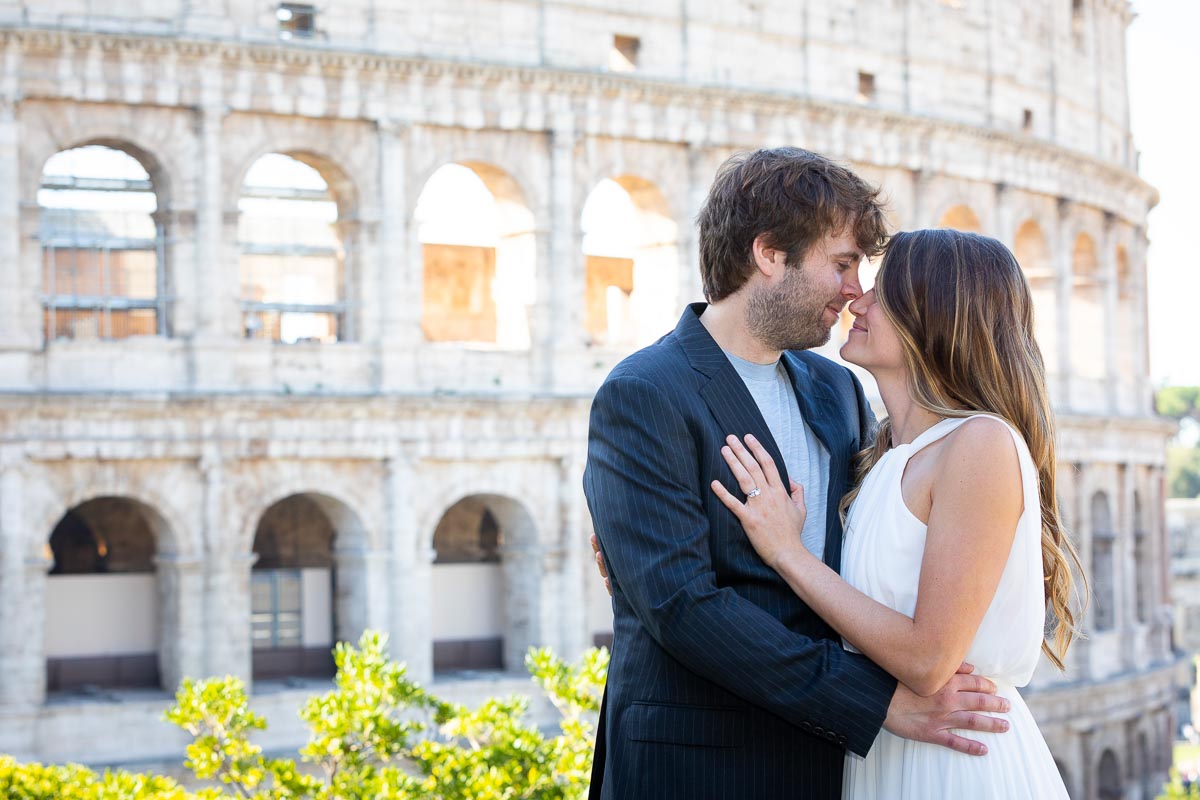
292,260
629,242
1033,254
485,585
102,603
961,218
1103,577
478,254
103,270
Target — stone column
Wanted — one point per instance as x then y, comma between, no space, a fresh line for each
181,619
921,179
1087,778
523,566
1002,215
691,286
22,596
411,574
1063,270
359,601
1110,288
14,293
557,324
212,292
1125,570
1141,363
226,580
228,614
399,300
572,599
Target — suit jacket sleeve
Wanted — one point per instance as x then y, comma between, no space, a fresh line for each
641,489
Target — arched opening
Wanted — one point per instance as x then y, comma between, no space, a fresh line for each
103,259
103,628
1033,254
486,578
1108,778
307,586
478,252
1103,577
631,251
961,218
292,262
1087,311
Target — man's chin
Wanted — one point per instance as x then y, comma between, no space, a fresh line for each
813,341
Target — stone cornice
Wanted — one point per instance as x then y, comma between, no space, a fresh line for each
567,90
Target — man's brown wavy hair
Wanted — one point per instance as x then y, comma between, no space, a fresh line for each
793,198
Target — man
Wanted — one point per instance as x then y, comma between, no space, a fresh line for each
722,683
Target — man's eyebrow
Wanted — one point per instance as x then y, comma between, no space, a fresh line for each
854,254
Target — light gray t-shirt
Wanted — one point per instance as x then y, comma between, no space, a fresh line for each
806,458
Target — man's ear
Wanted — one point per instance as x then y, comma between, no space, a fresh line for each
768,259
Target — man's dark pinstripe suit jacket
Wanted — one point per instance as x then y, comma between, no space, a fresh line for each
722,684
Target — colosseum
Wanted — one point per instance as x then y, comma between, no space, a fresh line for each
302,307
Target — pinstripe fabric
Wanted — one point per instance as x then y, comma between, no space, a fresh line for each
722,683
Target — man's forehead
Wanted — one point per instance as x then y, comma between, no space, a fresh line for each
840,244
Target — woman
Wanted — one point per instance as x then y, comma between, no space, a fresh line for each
953,548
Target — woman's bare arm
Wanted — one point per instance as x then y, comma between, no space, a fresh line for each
976,503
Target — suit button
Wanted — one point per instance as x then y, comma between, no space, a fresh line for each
804,726
842,741
831,736
819,731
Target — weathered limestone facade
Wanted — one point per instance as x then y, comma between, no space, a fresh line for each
1011,118
1183,528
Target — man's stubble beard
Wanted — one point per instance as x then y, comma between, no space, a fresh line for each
788,316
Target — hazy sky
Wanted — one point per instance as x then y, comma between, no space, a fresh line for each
1164,88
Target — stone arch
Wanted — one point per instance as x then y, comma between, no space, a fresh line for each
108,615
960,217
59,132
631,251
479,273
486,612
1103,577
494,160
167,525
308,592
344,189
343,506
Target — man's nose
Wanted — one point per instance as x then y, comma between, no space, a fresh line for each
851,286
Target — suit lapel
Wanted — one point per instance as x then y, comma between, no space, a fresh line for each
820,410
725,393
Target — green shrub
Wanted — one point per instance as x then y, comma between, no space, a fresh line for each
377,735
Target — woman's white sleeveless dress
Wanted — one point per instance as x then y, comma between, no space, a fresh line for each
881,557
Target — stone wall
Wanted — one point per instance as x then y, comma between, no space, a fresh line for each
1008,117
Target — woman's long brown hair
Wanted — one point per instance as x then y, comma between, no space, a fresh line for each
962,308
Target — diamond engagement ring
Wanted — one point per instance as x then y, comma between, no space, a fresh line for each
755,492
